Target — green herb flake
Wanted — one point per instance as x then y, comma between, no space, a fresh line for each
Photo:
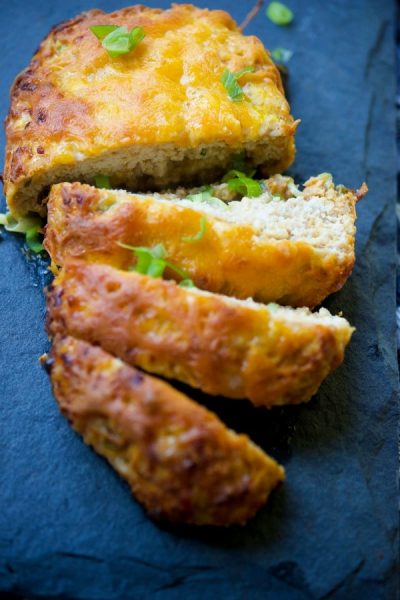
187,283
151,261
200,234
230,82
242,183
102,31
279,14
206,196
33,240
281,55
102,182
118,40
30,226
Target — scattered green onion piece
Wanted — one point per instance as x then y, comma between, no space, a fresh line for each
230,82
282,55
156,267
136,36
102,31
279,13
102,182
30,226
206,196
33,240
187,283
21,225
243,184
118,40
199,235
151,261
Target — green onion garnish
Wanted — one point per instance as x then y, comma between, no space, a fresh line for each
230,82
206,196
188,283
103,182
282,55
102,31
30,226
118,40
279,14
243,184
199,235
151,262
33,240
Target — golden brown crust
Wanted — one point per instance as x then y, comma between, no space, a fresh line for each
74,103
224,347
269,270
181,462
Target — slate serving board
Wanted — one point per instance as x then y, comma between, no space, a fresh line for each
68,525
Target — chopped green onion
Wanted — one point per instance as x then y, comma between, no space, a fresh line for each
187,283
199,235
136,36
282,55
102,181
30,226
206,196
230,82
33,240
151,261
21,225
102,31
118,40
279,14
243,184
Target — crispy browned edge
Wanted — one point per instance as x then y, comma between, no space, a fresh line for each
223,347
180,460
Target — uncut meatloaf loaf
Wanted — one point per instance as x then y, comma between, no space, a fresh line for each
156,116
181,462
239,349
287,245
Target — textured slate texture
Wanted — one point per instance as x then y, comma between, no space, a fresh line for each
68,525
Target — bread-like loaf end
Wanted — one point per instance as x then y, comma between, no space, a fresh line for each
181,462
155,117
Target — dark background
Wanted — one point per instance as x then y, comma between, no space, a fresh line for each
69,527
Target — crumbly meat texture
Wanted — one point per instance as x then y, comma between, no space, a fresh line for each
181,462
238,349
288,246
155,117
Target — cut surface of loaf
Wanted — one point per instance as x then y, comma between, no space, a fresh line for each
181,462
157,116
288,245
239,349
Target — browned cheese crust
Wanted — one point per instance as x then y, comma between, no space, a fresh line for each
227,347
270,263
158,115
181,462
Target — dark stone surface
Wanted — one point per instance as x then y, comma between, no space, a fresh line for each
68,525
